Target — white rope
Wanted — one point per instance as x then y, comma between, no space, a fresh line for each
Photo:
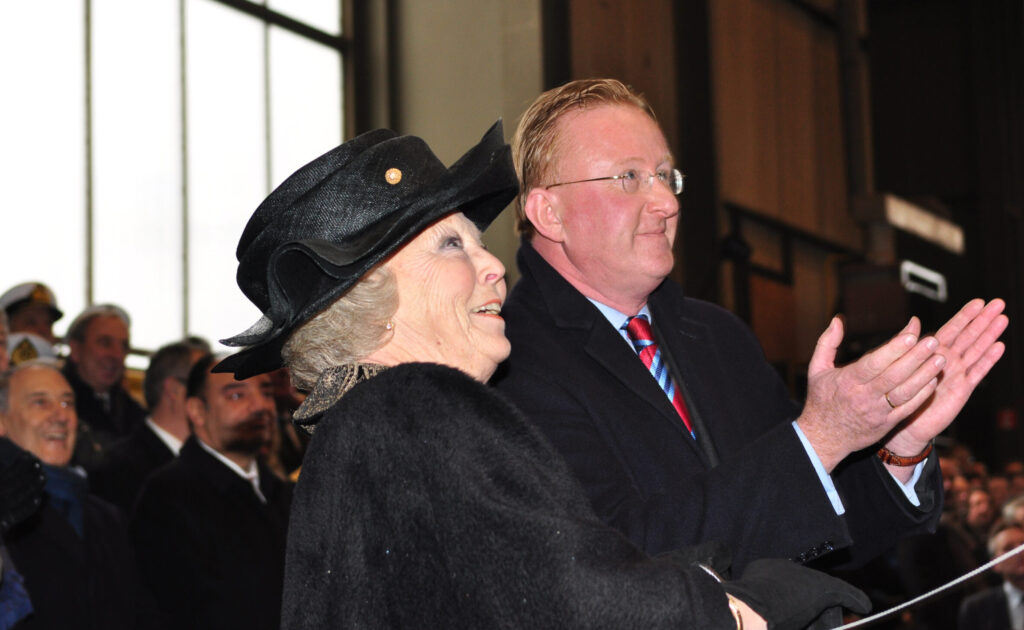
946,586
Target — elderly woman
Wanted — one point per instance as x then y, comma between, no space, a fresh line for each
426,500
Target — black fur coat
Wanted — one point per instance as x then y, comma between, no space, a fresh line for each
427,501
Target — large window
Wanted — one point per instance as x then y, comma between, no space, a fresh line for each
136,139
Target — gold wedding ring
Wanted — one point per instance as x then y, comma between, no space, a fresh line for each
889,401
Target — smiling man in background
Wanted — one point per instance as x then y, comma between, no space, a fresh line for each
73,550
99,344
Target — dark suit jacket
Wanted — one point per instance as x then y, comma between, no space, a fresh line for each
986,610
211,552
98,429
746,481
128,463
75,582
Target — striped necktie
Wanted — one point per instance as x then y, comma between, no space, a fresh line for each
639,331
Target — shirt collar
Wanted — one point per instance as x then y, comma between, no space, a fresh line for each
618,319
165,436
1014,595
252,474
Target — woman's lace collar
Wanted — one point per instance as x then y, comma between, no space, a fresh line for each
333,383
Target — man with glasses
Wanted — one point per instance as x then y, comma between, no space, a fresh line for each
699,440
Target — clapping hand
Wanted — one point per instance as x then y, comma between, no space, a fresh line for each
903,393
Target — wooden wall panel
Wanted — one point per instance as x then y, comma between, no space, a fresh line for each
630,41
773,318
775,72
815,278
779,132
832,193
744,97
797,118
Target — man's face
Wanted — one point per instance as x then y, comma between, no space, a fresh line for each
33,318
998,489
100,355
979,509
1012,569
40,416
618,242
235,416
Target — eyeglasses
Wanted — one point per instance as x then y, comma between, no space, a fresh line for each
673,180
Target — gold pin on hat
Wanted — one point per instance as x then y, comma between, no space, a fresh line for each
23,352
39,294
393,176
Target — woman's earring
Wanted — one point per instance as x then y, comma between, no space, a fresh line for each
389,325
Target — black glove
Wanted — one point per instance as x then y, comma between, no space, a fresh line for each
22,482
790,596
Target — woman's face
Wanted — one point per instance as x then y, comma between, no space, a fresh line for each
450,292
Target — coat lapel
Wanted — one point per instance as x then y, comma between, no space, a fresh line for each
575,316
225,481
685,343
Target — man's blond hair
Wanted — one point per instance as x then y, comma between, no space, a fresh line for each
536,142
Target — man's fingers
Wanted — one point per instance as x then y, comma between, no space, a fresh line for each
981,367
913,327
920,397
824,356
985,340
950,333
878,361
912,372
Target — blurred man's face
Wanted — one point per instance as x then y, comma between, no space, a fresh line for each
40,415
33,318
998,489
1012,569
950,469
958,493
235,417
100,355
979,509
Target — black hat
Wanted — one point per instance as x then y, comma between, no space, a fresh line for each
335,218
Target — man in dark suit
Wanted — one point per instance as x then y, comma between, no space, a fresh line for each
98,339
710,449
70,548
1000,607
210,527
156,441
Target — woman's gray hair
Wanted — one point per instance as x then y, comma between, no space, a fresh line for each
351,328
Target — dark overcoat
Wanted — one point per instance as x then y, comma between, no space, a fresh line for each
986,610
100,428
745,481
127,464
87,582
427,501
210,551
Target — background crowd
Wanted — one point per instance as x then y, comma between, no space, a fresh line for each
178,573
163,507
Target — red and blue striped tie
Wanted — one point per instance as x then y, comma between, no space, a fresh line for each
639,331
